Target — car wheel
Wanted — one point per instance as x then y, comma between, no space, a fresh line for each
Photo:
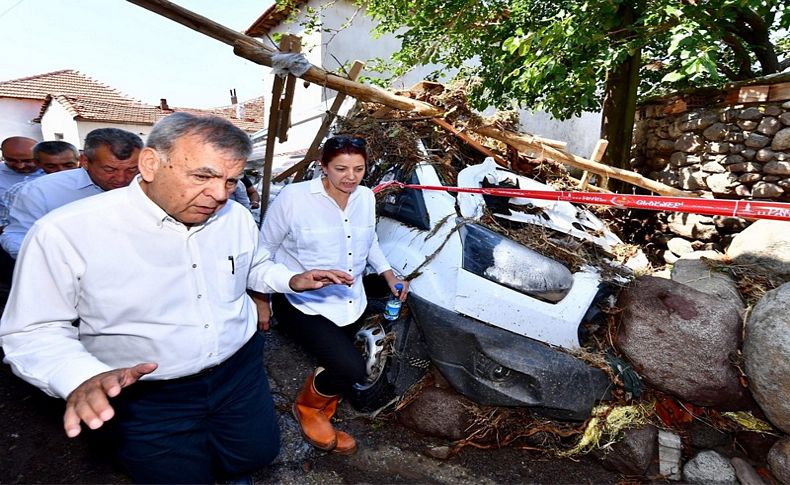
376,346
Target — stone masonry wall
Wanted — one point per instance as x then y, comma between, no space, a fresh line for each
724,151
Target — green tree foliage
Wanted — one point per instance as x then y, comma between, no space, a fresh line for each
556,55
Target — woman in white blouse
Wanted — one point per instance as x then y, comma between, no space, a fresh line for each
327,223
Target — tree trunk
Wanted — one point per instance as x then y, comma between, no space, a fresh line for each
619,102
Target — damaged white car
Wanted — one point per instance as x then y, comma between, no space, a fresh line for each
494,316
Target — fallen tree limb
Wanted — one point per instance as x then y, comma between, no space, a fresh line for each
249,48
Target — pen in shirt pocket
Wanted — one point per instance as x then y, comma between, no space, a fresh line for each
232,265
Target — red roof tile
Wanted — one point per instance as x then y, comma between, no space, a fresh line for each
68,82
92,109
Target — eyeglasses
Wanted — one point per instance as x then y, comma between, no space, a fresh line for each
340,142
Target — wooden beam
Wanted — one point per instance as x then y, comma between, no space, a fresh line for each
316,75
596,156
274,120
294,44
195,22
251,49
527,143
312,152
473,143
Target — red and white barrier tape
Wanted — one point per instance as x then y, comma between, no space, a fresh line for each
750,209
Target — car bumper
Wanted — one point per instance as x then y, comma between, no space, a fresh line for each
496,367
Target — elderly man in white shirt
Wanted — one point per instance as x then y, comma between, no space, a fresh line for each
156,273
109,162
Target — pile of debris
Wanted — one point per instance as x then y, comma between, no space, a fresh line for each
673,346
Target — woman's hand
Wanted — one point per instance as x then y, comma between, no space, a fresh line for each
393,280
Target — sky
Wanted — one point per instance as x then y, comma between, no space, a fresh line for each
131,49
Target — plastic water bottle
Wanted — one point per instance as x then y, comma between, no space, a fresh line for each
392,308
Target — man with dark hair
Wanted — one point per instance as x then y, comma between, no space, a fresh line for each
252,193
56,156
109,162
157,274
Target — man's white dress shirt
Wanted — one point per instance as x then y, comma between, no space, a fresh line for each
38,197
305,228
9,178
145,288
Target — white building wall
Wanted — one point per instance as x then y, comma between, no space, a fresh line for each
58,124
15,118
85,127
581,133
58,121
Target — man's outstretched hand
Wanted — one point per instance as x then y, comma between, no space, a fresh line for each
318,278
89,403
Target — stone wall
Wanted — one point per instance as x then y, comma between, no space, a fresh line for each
722,151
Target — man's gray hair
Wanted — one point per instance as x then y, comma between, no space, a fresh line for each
120,142
55,147
213,130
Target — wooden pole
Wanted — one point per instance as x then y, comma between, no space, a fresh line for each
251,49
274,120
597,154
329,117
294,45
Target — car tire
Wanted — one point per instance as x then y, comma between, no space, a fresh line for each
378,391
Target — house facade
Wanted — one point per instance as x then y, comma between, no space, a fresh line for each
67,105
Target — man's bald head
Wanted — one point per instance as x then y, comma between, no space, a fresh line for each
18,154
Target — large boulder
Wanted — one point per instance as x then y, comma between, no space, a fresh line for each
680,340
709,467
766,352
765,245
779,460
693,270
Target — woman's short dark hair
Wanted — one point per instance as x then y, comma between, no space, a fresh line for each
339,145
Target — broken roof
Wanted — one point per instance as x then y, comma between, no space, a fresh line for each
67,82
272,17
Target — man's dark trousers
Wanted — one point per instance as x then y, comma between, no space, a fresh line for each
216,425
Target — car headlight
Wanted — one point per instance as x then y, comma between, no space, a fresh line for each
504,261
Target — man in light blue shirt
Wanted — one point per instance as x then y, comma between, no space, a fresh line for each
19,164
51,157
109,162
